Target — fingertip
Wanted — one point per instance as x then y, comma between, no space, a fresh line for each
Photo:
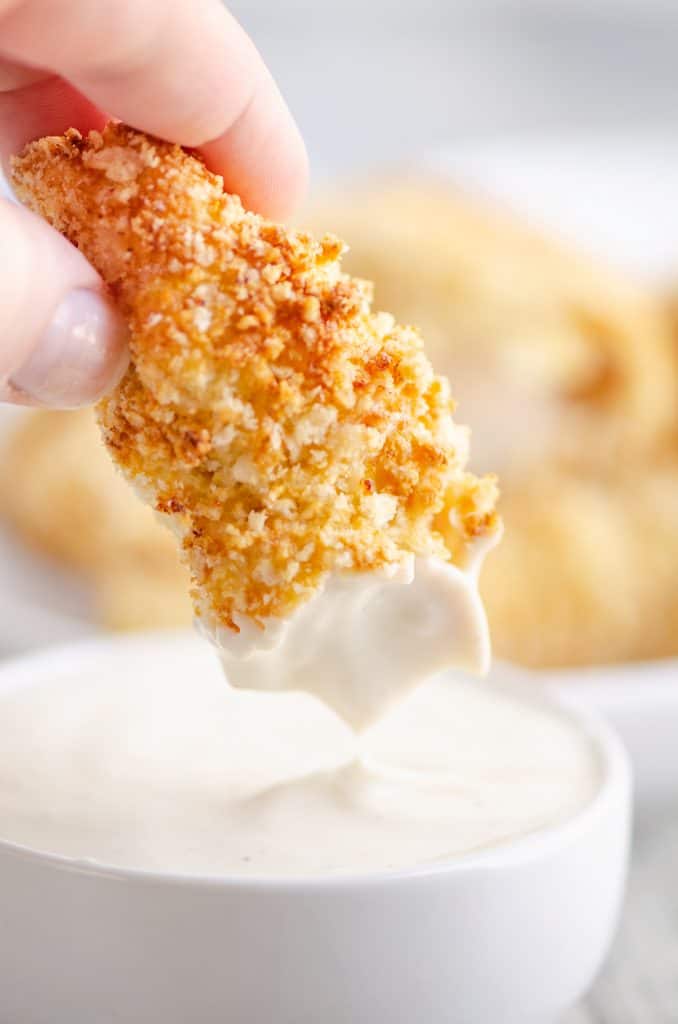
262,156
64,342
46,107
291,185
80,355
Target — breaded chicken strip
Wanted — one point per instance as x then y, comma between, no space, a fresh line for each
284,429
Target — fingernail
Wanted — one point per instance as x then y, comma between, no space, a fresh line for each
81,355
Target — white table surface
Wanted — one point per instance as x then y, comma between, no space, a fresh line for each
639,984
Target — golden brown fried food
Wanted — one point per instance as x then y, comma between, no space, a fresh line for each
282,428
60,494
551,354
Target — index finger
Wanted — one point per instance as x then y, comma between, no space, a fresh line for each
185,72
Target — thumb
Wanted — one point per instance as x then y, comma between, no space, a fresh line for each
62,343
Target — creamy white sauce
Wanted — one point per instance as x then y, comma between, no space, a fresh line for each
160,766
366,639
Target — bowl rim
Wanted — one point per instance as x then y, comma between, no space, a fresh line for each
615,788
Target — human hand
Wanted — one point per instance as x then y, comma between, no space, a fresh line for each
183,71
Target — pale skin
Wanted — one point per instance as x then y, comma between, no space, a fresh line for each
184,71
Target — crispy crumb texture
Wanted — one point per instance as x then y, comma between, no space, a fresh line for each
283,428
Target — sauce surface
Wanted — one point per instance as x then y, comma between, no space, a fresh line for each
155,763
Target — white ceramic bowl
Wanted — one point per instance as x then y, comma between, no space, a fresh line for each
512,935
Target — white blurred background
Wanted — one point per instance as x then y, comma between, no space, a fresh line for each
378,81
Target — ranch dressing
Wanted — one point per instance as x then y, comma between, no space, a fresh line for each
153,763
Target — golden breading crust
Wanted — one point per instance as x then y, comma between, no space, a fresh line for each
283,428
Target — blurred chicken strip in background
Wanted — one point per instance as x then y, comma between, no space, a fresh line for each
60,493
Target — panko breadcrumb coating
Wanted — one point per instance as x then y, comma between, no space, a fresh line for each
283,428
